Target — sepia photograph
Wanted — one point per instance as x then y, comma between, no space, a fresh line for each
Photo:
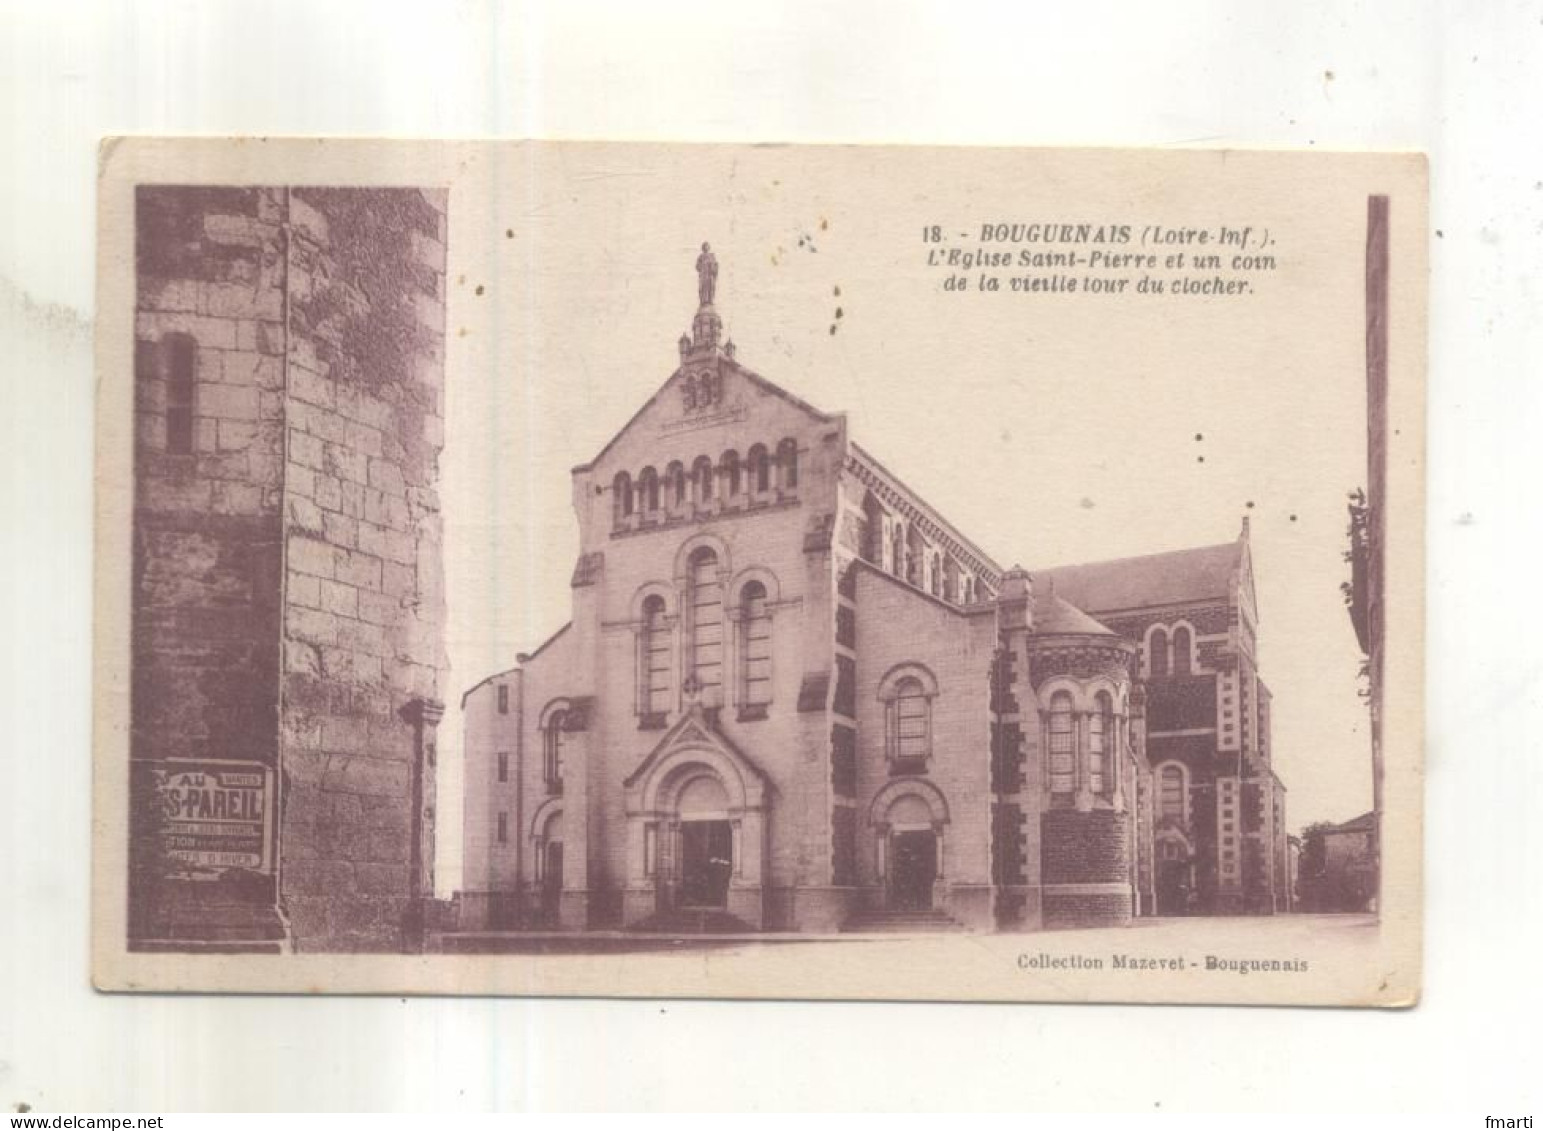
892,572
700,558
866,558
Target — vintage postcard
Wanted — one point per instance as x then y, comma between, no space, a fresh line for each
760,571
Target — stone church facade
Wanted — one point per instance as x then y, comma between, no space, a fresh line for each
793,696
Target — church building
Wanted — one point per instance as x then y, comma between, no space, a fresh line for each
793,696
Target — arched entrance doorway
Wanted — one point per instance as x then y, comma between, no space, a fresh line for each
909,818
696,828
913,855
913,869
706,840
1175,875
548,857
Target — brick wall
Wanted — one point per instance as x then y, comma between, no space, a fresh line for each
1085,848
1182,703
843,830
1007,849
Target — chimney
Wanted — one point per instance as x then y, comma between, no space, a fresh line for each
1015,604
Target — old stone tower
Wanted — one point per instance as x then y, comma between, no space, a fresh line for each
288,600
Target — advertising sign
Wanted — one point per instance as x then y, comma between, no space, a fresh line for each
215,815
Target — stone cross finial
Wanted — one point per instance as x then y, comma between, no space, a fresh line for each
706,275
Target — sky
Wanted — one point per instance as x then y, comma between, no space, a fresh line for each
1050,428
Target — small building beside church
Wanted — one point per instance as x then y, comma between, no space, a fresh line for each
1349,877
793,696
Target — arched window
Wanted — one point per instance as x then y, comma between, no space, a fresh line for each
1063,746
675,485
1181,652
1157,649
907,692
1170,792
181,385
707,626
910,719
754,648
702,476
873,530
1100,742
937,575
897,551
759,469
552,746
950,579
648,490
787,457
654,662
728,467
914,557
621,487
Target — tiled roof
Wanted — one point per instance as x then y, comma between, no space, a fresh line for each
1365,823
1153,579
1054,617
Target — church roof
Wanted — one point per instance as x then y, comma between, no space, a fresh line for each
523,660
963,545
1365,823
1171,578
750,375
1055,617
703,344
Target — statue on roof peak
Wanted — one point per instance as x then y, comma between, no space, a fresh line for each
706,275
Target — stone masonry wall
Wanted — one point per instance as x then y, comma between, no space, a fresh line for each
207,553
362,528
899,625
287,593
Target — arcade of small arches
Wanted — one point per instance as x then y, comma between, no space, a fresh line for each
762,477
901,549
1169,650
1086,739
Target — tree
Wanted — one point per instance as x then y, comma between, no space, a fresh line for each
1312,869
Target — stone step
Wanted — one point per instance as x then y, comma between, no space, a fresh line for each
688,921
874,920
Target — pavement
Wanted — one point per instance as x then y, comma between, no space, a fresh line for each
1280,933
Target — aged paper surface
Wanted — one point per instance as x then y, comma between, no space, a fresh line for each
556,568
